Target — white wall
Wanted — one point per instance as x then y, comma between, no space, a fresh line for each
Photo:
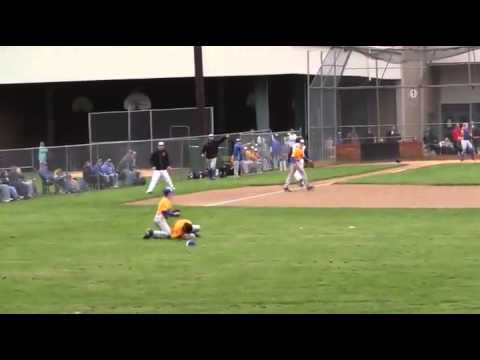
30,64
33,64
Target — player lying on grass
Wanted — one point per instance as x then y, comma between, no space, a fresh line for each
183,229
296,164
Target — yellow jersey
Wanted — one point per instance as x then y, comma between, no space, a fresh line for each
177,230
164,205
297,153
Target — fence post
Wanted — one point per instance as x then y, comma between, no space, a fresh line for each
66,159
90,136
151,131
212,120
33,159
129,130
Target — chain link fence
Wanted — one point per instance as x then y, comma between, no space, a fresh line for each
184,152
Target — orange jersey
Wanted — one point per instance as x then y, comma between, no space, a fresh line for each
297,153
164,205
177,230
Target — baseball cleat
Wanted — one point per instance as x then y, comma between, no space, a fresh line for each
148,234
310,187
287,189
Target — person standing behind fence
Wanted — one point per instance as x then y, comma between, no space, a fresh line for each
237,157
276,149
284,153
467,146
456,139
161,165
210,151
42,154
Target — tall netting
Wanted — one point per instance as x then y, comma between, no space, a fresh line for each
401,94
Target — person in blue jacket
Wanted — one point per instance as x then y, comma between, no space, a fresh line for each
237,157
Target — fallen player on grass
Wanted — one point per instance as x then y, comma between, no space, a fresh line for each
183,229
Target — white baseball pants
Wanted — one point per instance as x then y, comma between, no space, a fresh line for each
157,174
296,166
162,223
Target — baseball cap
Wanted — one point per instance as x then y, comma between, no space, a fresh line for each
161,143
237,140
302,141
167,190
210,135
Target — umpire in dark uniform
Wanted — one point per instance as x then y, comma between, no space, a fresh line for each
160,166
210,151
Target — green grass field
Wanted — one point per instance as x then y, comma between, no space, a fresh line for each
448,174
84,253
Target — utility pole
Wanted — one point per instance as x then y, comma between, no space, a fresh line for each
200,88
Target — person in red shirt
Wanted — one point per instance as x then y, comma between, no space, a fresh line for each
457,139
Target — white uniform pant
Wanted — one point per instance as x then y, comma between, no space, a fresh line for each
157,174
296,166
297,174
467,146
162,224
283,165
212,164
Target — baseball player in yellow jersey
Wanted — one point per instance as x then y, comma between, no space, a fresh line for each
183,229
296,164
164,211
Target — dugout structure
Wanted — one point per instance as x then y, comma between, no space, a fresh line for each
360,93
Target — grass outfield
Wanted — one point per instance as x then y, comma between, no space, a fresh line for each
448,174
84,253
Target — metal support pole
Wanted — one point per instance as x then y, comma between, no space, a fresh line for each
469,69
212,120
335,120
199,86
66,158
151,132
322,94
90,136
308,103
129,130
378,98
33,159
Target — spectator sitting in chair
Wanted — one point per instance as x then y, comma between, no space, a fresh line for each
71,184
5,181
108,170
48,178
60,178
98,172
90,175
25,188
127,168
4,194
